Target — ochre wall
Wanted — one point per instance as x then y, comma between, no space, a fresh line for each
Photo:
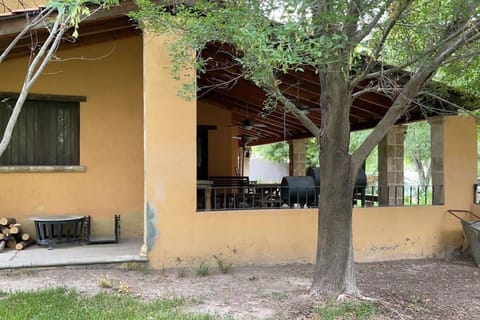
222,148
111,140
289,235
177,235
170,155
460,155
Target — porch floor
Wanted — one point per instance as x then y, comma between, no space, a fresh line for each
72,254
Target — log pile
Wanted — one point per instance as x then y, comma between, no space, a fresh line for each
12,236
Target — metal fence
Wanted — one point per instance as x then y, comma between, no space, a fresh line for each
274,196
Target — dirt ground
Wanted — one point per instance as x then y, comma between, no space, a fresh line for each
415,289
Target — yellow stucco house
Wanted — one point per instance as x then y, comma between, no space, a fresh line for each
128,146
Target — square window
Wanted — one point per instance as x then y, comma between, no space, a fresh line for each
46,134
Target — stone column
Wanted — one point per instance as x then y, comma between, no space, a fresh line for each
297,154
437,150
390,166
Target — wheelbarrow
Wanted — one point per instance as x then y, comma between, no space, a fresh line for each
472,231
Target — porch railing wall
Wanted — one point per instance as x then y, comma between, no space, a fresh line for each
275,196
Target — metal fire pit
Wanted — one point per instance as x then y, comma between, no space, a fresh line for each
58,229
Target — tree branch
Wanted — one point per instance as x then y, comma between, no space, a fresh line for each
49,46
379,46
82,58
227,85
410,90
35,22
59,32
40,60
291,107
361,34
452,37
354,12
457,106
375,89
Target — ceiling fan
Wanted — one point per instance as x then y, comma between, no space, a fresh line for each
245,140
248,124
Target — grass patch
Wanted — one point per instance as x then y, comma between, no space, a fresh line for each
136,266
61,304
222,265
347,310
203,270
182,272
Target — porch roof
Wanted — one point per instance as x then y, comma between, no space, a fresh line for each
222,85
241,96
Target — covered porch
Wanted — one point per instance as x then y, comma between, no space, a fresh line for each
231,118
180,229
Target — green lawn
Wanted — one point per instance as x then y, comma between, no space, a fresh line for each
347,310
61,304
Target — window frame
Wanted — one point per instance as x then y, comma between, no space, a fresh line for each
73,166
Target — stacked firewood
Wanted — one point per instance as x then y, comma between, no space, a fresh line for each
12,236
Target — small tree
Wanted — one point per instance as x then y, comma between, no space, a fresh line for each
276,152
347,43
58,18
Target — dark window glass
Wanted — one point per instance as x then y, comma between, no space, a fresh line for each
46,133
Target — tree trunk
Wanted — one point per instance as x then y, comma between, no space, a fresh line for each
334,270
423,173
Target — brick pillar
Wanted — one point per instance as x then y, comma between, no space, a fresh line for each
437,150
390,166
297,155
